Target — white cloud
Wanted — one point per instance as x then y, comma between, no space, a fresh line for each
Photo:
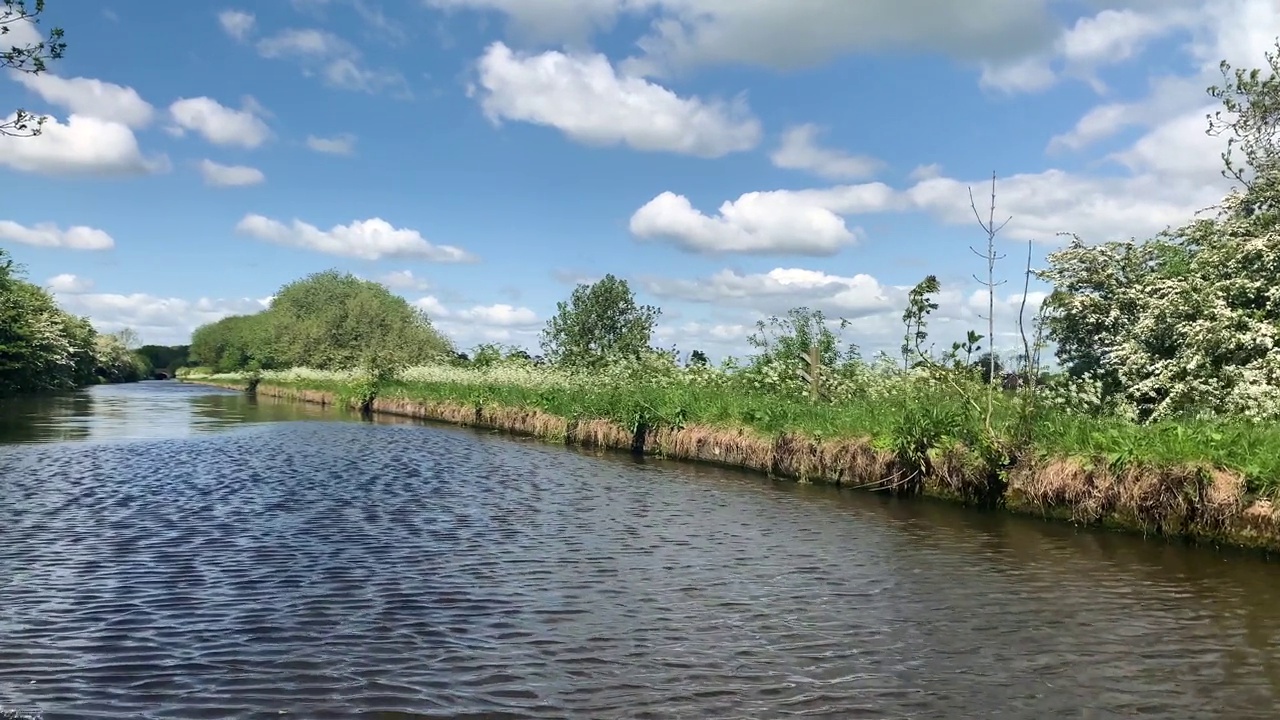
303,43
499,315
799,150
343,144
237,23
1046,203
780,289
338,63
1172,174
219,175
1022,75
403,280
926,172
1099,123
701,335
371,239
81,146
582,96
76,237
802,222
91,98
159,320
219,124
68,284
1113,36
21,33
432,307
468,327
873,309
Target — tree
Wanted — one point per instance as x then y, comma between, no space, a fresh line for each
788,339
17,22
1250,118
329,321
599,323
1188,321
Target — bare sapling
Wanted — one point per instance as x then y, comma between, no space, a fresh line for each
991,229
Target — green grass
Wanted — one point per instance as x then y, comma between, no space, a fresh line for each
906,416
1252,449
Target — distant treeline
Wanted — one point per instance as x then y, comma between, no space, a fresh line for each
166,358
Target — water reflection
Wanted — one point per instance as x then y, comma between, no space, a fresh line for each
147,410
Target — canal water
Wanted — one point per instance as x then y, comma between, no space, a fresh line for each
171,551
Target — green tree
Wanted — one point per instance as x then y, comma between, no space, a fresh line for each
336,320
789,339
41,347
327,320
30,57
1188,321
165,357
600,323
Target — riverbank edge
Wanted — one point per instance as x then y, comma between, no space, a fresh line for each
1204,505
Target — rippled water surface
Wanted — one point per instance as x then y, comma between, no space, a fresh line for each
168,551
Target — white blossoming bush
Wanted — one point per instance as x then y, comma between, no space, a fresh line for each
1184,324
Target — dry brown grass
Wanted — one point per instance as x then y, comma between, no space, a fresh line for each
1184,500
318,397
598,434
1224,497
703,443
1260,521
958,472
857,463
522,421
455,413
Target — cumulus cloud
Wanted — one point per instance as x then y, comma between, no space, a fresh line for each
219,175
780,289
218,123
801,222
82,145
799,150
91,98
68,284
583,97
237,23
1172,173
76,237
159,320
470,326
344,144
371,239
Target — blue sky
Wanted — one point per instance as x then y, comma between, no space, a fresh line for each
731,159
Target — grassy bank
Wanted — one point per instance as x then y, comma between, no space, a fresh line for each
1203,480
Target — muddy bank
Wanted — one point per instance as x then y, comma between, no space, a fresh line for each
1201,504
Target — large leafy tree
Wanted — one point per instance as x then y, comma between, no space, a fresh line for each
599,323
327,320
1188,321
